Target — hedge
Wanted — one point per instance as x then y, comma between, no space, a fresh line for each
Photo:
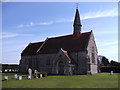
109,69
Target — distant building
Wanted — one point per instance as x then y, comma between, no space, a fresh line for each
71,54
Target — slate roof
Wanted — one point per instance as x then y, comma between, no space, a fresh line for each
31,49
53,45
68,43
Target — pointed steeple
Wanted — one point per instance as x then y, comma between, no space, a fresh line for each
77,24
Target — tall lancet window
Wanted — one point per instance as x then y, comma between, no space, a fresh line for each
93,55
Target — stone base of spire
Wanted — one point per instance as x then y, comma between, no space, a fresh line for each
76,34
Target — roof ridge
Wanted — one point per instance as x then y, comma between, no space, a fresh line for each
37,42
65,52
42,45
61,36
67,35
89,38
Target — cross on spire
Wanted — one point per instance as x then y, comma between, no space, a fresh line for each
77,5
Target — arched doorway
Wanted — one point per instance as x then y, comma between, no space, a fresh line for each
60,68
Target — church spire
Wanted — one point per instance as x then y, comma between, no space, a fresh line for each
77,24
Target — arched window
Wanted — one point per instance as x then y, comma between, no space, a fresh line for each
93,55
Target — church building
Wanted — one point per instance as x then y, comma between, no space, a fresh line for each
73,54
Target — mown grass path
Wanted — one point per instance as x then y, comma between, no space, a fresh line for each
101,80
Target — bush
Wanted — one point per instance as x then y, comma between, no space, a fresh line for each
109,69
44,74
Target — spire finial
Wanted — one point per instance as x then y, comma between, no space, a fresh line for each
76,5
77,24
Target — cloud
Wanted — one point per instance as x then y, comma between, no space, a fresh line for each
45,23
30,24
106,32
26,25
94,14
10,35
64,20
108,49
111,50
89,15
100,13
20,26
104,44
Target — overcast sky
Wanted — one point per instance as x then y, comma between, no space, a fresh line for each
25,22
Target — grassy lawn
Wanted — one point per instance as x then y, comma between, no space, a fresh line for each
102,80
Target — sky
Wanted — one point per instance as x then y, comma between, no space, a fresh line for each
25,22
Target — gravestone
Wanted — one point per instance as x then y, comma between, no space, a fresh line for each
20,77
6,78
40,75
35,73
89,73
9,70
111,73
29,77
30,72
15,76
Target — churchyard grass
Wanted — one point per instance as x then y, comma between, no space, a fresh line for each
101,80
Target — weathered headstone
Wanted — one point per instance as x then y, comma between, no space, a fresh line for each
12,70
35,73
30,72
15,76
111,73
99,71
29,77
89,73
6,78
40,75
9,70
20,77
6,70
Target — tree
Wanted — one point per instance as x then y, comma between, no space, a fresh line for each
114,63
104,61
